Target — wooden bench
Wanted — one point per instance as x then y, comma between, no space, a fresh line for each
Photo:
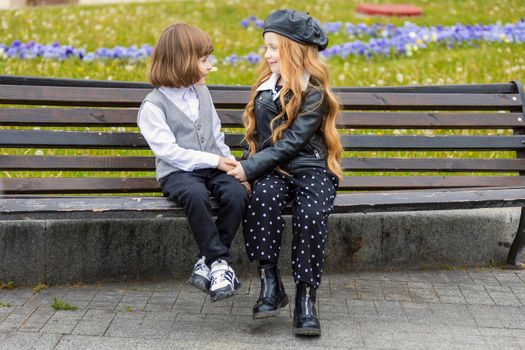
71,149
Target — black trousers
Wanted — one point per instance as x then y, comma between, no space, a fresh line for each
312,192
192,191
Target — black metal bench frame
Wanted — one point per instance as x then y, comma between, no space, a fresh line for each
34,111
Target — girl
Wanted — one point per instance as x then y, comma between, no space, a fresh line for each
181,126
294,156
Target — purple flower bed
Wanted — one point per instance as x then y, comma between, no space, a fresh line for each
366,40
388,39
32,49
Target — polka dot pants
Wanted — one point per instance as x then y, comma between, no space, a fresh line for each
312,192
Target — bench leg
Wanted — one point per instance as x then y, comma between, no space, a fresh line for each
517,245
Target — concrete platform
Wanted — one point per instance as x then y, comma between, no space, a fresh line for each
88,251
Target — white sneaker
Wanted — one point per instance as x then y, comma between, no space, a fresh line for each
199,277
223,282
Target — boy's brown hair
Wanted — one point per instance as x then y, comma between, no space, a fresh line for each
176,56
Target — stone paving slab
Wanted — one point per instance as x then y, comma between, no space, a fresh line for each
441,309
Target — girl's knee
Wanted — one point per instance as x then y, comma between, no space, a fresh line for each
268,194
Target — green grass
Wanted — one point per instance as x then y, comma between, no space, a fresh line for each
127,24
62,305
7,285
487,63
39,287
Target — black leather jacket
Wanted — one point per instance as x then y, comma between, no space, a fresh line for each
301,145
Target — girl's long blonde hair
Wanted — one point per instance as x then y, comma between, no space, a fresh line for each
296,59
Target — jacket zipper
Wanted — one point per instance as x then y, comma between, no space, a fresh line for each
317,154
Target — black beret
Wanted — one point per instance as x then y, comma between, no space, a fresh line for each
298,26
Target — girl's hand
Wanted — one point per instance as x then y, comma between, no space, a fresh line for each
247,186
227,164
238,173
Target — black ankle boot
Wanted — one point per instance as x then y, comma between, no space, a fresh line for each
305,321
272,297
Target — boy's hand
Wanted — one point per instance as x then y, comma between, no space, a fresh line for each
226,164
238,173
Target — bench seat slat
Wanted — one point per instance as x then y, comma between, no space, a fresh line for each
70,139
438,199
232,118
130,163
130,185
89,96
36,207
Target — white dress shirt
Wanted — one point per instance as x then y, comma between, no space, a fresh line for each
152,124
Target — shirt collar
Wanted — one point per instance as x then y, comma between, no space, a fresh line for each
183,93
272,81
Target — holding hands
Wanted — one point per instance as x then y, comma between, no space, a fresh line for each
238,172
234,168
227,164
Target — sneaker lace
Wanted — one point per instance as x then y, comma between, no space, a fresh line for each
214,279
222,276
200,267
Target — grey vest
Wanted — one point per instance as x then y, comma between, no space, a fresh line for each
197,136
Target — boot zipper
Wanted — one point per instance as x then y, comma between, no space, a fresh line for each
306,306
263,278
306,302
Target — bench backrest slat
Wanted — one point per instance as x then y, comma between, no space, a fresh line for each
433,164
420,182
137,163
80,185
232,118
393,101
429,120
87,96
71,96
492,88
68,117
75,139
73,163
70,139
420,143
